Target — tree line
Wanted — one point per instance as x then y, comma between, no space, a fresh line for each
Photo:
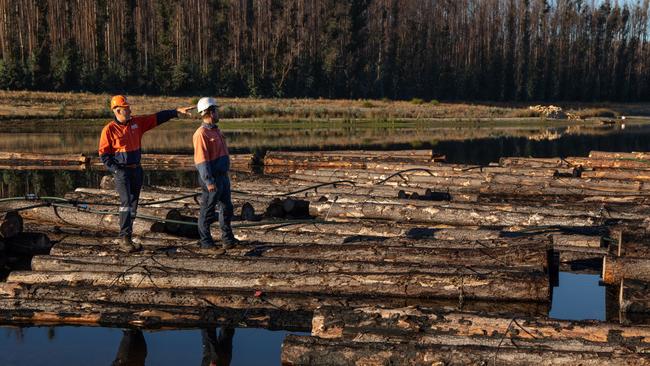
510,50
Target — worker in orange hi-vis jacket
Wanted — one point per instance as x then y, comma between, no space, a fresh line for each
119,150
213,162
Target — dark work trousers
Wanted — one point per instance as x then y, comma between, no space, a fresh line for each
128,182
217,349
207,215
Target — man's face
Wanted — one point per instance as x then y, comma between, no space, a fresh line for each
123,114
211,116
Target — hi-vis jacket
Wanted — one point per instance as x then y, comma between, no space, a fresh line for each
119,144
210,153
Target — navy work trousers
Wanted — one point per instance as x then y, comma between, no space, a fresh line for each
218,199
128,182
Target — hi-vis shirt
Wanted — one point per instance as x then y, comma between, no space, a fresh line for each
210,153
119,144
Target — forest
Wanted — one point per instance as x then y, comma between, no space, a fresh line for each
487,50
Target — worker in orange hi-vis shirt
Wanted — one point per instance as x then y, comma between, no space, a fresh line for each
119,150
213,162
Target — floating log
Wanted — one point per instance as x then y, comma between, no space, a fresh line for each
11,224
634,296
48,312
495,286
183,297
303,350
28,244
617,268
432,326
445,215
182,263
534,256
581,241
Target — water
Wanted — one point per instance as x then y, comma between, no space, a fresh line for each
82,346
579,296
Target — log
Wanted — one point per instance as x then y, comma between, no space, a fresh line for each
617,268
580,241
11,224
431,326
42,159
497,285
303,350
620,174
618,155
72,216
408,212
61,313
630,214
634,296
534,162
637,164
491,169
180,263
29,244
416,155
242,300
534,256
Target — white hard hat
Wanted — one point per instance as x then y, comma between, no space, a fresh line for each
205,103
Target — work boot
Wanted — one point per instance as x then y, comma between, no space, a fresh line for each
230,243
137,244
126,245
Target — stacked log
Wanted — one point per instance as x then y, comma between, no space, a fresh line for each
64,214
408,285
346,159
42,160
303,350
417,335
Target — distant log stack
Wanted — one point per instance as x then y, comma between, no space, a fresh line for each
346,159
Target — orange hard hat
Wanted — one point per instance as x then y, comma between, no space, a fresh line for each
119,101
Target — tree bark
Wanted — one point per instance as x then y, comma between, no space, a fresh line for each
42,159
61,313
75,217
425,325
242,300
617,268
496,286
517,256
163,263
302,350
446,215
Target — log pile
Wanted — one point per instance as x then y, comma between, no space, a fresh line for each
475,249
417,335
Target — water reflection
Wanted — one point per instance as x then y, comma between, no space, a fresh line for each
244,136
132,350
217,347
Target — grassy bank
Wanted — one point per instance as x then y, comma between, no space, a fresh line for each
40,105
